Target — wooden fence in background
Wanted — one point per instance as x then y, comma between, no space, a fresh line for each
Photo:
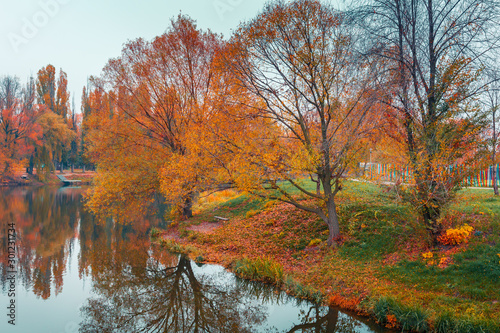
391,173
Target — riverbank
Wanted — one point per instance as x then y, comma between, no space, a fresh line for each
383,268
24,179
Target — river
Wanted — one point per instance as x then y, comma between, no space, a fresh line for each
72,273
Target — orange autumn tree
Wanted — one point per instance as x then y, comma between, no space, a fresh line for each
302,105
127,162
19,131
160,91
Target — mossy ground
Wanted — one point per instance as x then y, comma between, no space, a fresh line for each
377,269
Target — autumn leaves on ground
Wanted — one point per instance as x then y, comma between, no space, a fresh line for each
282,112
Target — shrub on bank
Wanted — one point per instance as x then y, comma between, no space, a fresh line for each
260,269
455,236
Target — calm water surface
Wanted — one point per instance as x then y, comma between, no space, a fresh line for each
77,275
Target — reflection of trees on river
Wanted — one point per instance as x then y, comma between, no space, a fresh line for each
45,221
142,287
323,320
108,246
167,295
167,298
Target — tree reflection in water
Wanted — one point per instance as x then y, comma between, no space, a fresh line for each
167,299
45,220
174,298
325,320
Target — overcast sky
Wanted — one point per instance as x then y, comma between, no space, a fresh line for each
80,36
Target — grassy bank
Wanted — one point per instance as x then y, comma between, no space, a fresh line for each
383,268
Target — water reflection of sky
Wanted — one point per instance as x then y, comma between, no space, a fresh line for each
76,275
57,314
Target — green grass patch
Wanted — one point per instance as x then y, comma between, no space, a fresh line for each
477,201
240,206
409,319
260,269
375,231
175,247
447,323
475,274
302,291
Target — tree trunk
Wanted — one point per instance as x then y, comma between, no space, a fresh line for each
431,216
31,165
494,152
494,180
494,173
187,209
333,223
72,167
83,168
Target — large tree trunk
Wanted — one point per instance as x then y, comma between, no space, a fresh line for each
431,214
83,168
333,223
72,167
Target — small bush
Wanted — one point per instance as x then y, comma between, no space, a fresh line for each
456,236
269,204
427,255
261,269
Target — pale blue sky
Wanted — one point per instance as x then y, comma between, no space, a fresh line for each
80,36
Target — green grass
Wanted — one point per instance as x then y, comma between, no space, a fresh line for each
239,206
302,291
446,323
410,319
477,201
260,269
475,274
